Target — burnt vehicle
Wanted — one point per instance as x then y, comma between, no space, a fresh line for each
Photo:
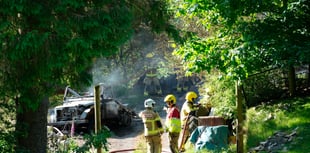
78,110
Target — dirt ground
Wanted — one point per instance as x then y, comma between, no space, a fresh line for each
130,137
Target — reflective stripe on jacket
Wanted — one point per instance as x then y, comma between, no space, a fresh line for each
186,109
152,123
173,122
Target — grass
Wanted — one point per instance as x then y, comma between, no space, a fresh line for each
285,116
231,149
302,121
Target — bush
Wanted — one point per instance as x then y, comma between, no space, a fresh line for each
62,144
6,142
221,92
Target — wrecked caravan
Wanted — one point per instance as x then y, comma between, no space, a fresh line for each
78,110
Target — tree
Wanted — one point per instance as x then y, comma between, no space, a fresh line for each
245,37
47,44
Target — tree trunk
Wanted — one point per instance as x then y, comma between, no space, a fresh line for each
308,82
292,81
31,128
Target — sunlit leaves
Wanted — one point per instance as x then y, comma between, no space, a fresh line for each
246,36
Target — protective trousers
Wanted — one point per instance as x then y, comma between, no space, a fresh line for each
173,140
153,144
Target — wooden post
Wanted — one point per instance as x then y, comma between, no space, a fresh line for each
239,119
292,80
97,113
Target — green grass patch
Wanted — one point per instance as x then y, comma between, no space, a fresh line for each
230,149
285,116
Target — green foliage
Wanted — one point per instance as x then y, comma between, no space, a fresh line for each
7,117
54,43
98,140
71,146
222,95
65,145
56,100
244,37
6,141
281,34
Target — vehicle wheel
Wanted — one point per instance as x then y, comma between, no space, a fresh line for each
91,126
126,119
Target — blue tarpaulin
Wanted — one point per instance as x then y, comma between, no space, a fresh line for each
210,137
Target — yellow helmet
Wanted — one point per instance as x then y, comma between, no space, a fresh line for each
170,98
191,96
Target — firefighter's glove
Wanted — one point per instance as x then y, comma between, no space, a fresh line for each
192,113
197,105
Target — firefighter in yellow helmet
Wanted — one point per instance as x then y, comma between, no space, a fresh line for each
173,122
152,127
186,112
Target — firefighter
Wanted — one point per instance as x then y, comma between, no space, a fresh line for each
152,127
187,116
183,82
173,122
151,79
